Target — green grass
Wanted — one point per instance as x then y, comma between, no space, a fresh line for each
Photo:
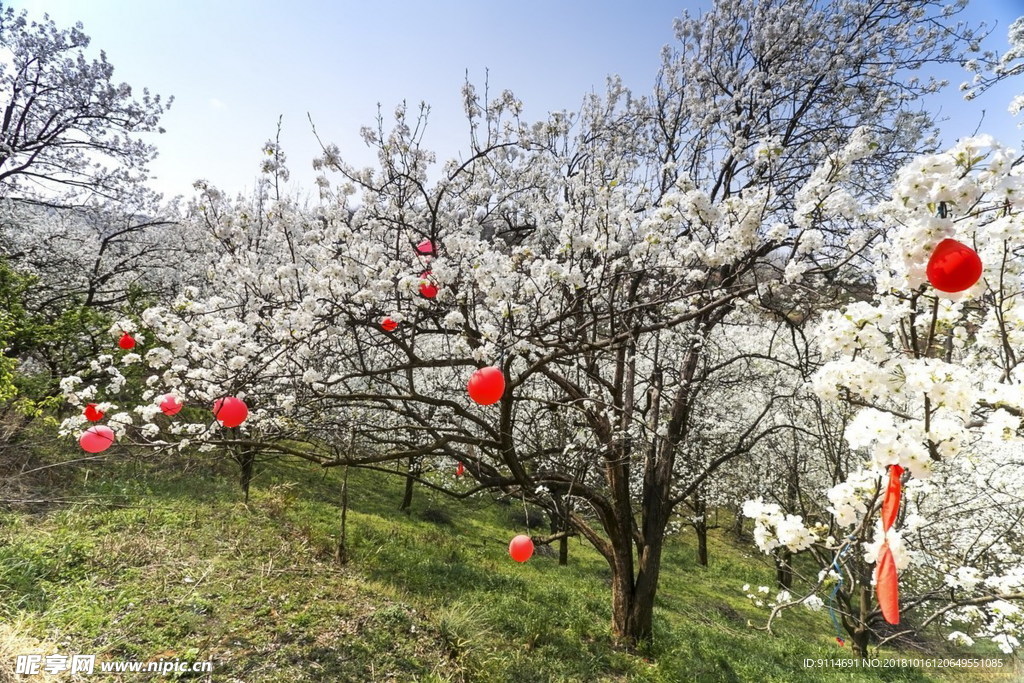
174,565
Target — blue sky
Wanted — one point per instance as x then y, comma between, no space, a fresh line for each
234,66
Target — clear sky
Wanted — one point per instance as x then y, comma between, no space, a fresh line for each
234,66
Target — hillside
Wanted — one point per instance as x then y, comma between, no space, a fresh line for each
162,560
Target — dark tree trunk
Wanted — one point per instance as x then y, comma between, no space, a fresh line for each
247,461
861,638
737,525
633,600
635,581
784,568
410,481
560,523
858,606
700,525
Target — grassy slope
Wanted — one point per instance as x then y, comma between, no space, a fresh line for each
185,570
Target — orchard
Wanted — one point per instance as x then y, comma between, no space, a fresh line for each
759,289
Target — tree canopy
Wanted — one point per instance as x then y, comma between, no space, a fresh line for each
67,126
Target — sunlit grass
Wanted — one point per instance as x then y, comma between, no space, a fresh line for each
182,568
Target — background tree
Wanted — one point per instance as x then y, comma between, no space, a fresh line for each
80,233
66,125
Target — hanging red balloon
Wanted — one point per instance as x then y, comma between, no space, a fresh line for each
96,439
426,248
427,288
521,548
92,413
460,470
891,501
126,341
171,404
953,267
389,325
230,411
486,385
887,585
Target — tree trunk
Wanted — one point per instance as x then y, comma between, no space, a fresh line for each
633,605
409,483
633,594
858,626
737,525
702,543
784,568
341,552
700,525
560,523
861,639
247,461
628,627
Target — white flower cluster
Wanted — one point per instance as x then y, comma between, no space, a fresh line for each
773,529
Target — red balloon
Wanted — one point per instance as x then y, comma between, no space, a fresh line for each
427,288
953,267
891,501
887,585
426,247
521,548
126,341
389,325
486,385
171,404
460,470
92,413
96,439
230,411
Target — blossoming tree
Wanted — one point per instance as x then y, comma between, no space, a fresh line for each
67,126
934,379
596,259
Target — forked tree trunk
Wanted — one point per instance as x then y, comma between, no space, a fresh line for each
633,606
858,608
635,585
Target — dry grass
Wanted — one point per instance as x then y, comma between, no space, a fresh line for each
14,641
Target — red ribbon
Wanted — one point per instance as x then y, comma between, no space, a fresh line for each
891,501
887,585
